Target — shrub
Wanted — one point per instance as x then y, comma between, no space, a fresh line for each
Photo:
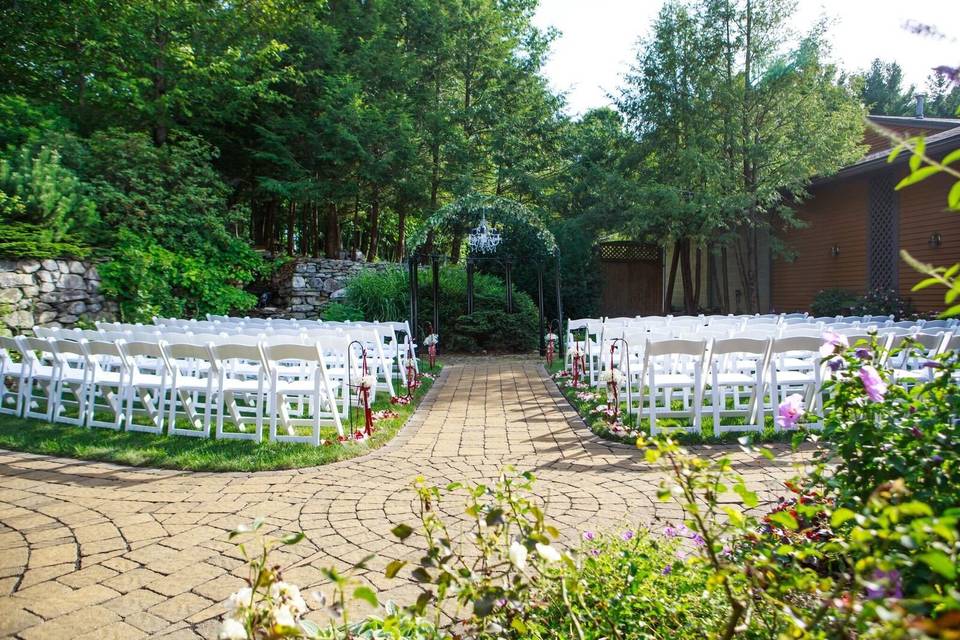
833,302
339,312
148,280
45,210
884,302
899,434
384,295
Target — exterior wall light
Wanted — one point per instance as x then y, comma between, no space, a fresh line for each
835,250
935,240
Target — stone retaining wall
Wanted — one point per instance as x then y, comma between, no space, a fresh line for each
305,286
51,293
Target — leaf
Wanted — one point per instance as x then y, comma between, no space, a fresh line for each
422,601
917,176
926,282
939,562
951,157
784,519
735,516
366,594
483,606
749,498
494,517
293,538
394,568
917,158
652,455
952,311
402,531
840,516
953,198
421,575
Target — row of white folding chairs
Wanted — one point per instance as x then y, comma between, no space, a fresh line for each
292,385
749,377
384,363
396,338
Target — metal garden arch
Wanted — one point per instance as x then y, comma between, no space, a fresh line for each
465,213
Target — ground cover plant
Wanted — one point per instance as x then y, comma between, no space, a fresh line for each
207,454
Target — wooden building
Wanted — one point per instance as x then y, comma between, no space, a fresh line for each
857,223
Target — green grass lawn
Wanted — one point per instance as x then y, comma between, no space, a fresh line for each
199,454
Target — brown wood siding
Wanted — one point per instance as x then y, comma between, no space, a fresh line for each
835,215
923,211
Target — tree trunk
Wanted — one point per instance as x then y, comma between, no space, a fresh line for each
697,278
401,233
291,218
315,216
455,247
672,278
685,274
374,225
725,293
331,235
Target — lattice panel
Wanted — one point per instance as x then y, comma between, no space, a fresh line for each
884,220
623,251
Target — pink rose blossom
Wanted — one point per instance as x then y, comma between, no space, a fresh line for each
875,387
790,411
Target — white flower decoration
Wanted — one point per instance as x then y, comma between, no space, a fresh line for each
552,336
518,555
368,382
431,340
548,553
612,375
231,629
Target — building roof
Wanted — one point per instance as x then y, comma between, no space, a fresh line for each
943,141
920,123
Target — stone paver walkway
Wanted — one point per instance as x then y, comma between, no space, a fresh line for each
92,550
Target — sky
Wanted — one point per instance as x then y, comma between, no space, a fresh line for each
598,39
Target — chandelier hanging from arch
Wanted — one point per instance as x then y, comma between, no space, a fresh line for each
484,239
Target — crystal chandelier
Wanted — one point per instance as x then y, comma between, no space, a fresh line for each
484,239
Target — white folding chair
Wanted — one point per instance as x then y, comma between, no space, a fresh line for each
796,367
908,365
40,373
671,365
74,377
13,371
297,372
191,387
147,380
241,382
738,371
108,370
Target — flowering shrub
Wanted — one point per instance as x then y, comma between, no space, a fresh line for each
880,432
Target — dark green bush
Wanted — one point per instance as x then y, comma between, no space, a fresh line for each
339,312
884,302
833,302
384,296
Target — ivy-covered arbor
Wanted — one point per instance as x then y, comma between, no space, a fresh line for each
526,239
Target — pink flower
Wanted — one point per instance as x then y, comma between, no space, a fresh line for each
790,411
832,340
875,387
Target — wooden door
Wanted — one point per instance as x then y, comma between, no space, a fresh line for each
632,277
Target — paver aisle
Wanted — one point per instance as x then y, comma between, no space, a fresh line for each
92,550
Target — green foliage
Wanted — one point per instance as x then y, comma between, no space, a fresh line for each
884,302
339,312
384,295
149,280
910,437
45,210
881,89
379,294
833,302
624,585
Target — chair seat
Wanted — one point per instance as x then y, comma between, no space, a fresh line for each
795,377
733,377
673,380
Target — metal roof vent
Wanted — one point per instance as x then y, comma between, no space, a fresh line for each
921,100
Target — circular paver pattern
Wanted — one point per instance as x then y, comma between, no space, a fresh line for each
93,550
